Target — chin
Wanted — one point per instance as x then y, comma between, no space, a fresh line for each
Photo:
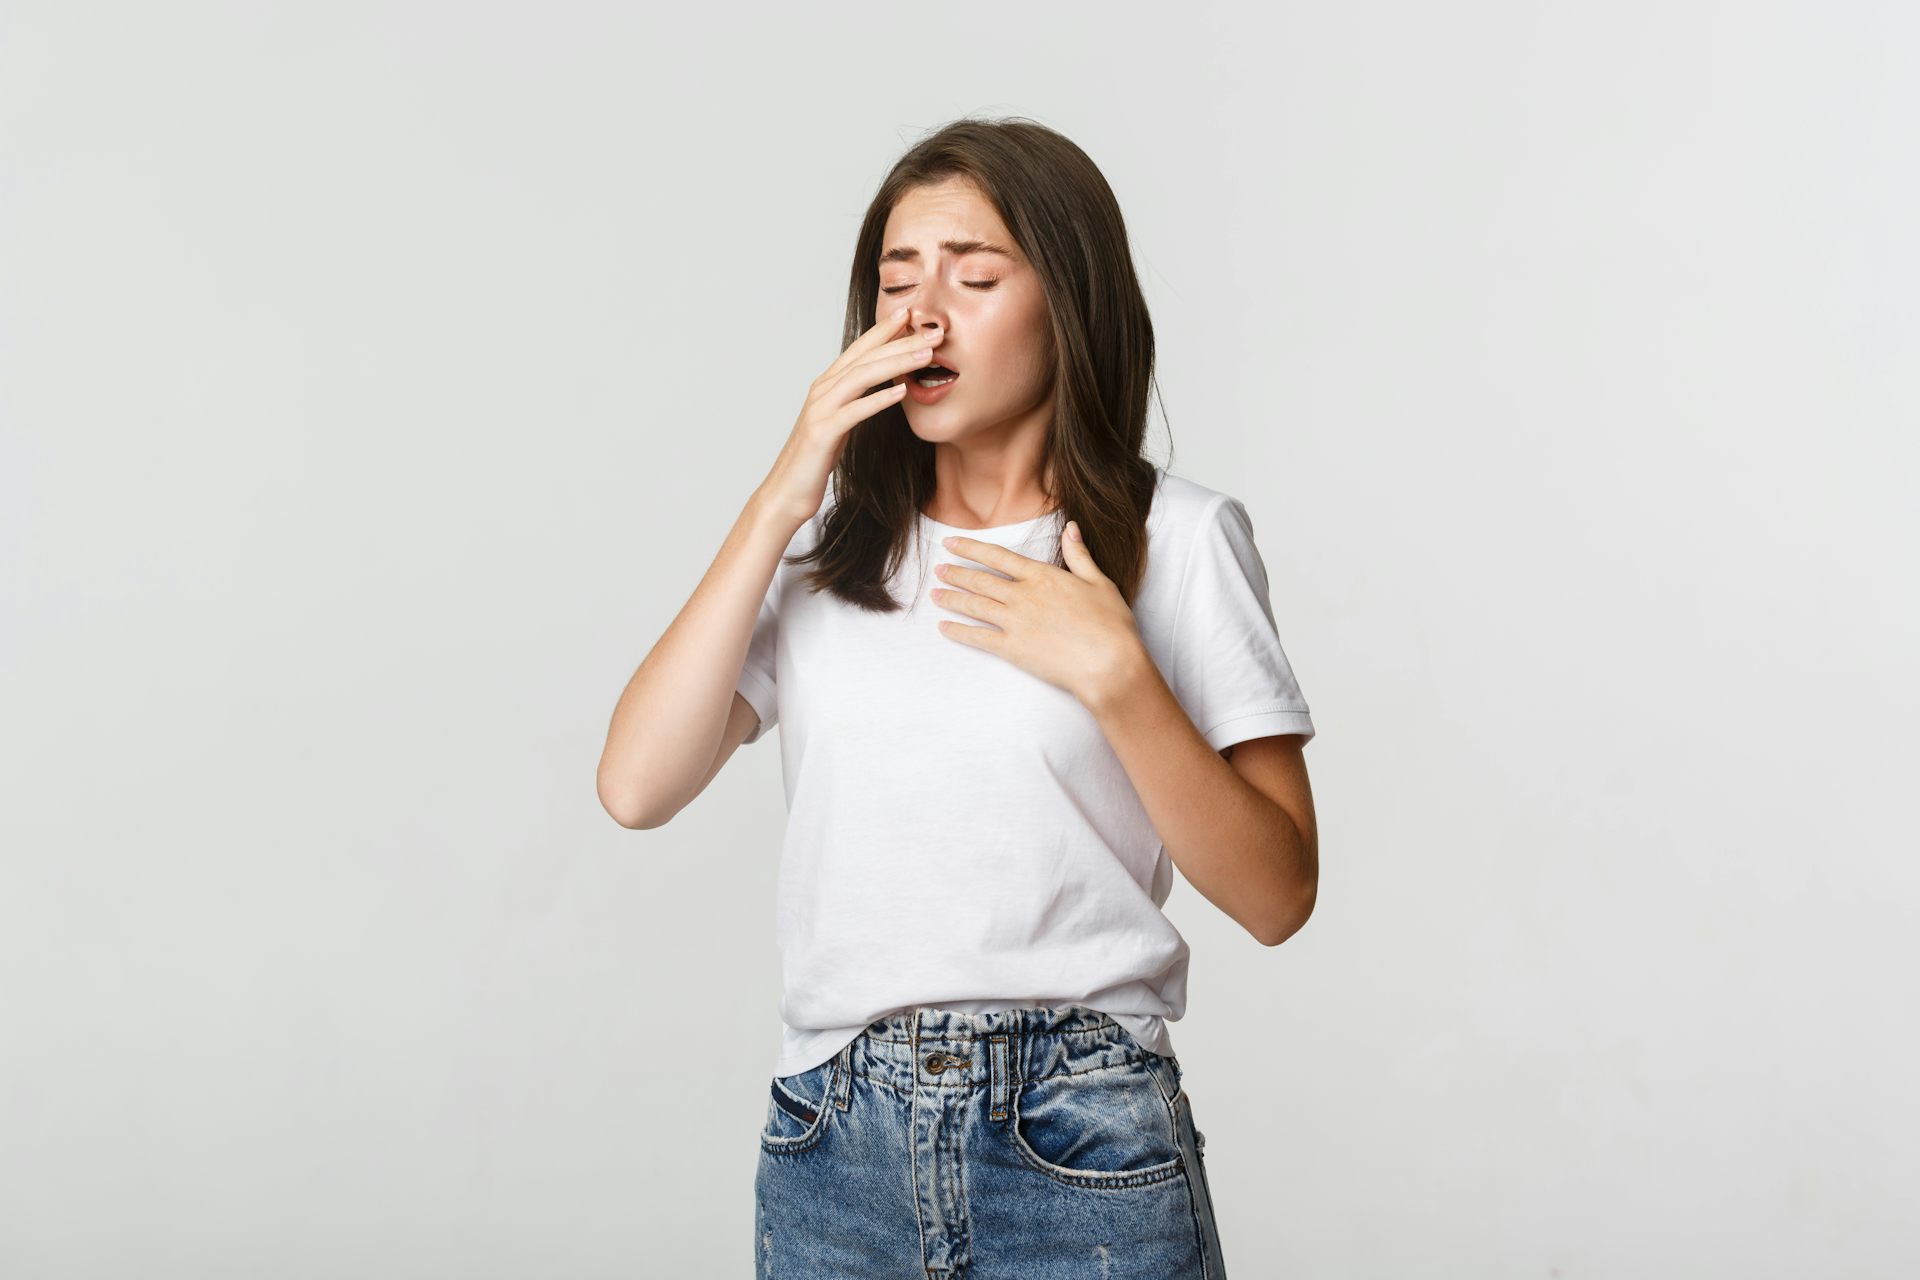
936,430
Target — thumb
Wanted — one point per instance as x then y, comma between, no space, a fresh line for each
1075,553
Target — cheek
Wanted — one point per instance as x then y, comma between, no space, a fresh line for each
1030,355
1020,341
1029,366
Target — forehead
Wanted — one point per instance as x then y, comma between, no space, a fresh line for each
953,210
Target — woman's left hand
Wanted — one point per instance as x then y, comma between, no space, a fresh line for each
1070,627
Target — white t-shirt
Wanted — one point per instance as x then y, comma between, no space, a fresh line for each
959,832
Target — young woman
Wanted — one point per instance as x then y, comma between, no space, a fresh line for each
1028,672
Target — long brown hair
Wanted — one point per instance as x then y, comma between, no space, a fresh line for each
1063,217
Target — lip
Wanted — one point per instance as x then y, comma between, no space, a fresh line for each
930,395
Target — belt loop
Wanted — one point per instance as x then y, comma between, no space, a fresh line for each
997,1060
843,1079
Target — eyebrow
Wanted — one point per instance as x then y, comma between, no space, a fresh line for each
959,248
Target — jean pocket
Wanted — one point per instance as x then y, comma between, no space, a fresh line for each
798,1108
1108,1128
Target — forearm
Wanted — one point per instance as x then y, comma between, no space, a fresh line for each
1240,849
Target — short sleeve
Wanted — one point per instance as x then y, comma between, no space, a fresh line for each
756,683
1230,672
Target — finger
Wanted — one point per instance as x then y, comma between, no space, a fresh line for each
910,341
977,581
987,638
893,369
883,336
919,346
973,606
992,554
959,601
859,410
883,329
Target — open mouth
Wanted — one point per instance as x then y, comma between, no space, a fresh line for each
934,375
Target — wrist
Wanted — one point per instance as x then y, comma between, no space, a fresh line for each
765,516
1119,677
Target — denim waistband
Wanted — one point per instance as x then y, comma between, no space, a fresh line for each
931,1047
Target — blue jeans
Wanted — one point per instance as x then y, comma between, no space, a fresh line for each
1024,1144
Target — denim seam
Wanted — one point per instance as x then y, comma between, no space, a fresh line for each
809,1139
1193,1201
1096,1180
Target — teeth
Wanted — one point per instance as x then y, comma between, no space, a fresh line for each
935,380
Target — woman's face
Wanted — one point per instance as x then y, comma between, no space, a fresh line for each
947,254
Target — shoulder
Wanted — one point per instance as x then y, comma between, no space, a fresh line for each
1184,525
1186,512
1209,553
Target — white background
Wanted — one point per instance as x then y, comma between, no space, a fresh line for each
378,381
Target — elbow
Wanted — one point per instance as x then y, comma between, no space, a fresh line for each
637,816
631,812
1278,931
635,819
632,821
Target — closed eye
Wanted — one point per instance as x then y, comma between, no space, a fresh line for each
971,284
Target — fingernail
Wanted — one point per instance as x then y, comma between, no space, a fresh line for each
1073,530
902,311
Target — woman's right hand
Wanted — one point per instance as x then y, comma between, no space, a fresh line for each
797,484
